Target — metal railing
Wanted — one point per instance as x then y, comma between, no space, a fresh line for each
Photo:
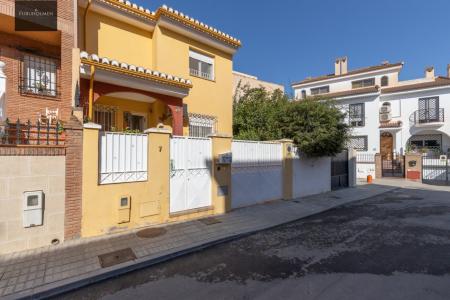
425,116
198,73
39,134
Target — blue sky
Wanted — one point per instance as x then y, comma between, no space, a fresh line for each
288,40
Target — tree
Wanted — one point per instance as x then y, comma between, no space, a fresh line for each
257,113
317,127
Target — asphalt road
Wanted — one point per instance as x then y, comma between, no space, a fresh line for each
393,246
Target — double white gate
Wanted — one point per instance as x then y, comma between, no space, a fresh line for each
190,173
257,172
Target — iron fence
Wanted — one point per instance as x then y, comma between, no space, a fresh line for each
424,116
38,134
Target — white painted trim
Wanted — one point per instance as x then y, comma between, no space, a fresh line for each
119,14
133,82
92,125
199,56
354,96
345,77
196,35
414,91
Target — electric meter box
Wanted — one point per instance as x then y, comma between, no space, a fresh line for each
225,158
33,208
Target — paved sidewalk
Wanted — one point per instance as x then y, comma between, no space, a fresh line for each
51,270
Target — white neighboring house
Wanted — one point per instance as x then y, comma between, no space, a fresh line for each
387,115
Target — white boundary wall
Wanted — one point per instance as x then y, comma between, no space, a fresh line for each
365,164
257,172
311,175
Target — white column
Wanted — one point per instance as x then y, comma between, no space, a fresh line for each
2,92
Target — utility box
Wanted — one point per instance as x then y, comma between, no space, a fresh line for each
33,208
225,158
124,209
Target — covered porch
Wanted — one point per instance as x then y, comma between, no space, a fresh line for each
122,97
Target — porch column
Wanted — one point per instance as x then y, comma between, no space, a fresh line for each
177,117
2,92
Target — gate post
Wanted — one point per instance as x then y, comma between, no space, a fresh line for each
413,166
378,166
288,169
221,173
352,168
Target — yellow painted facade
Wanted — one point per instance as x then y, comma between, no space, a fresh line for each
165,51
149,204
161,49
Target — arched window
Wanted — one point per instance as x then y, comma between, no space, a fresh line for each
303,94
384,81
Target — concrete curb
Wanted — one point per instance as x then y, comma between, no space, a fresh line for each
73,283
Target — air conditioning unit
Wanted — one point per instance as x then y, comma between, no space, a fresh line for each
385,117
385,109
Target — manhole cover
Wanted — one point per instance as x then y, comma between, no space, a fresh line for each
116,257
151,232
210,221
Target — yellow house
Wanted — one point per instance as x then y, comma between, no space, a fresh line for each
142,69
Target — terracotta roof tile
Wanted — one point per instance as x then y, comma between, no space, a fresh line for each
353,72
439,81
361,91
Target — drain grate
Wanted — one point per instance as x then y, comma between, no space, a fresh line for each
116,257
402,197
210,221
151,232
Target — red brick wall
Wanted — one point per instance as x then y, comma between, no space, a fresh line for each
74,156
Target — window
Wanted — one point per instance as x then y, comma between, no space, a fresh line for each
384,81
320,90
363,83
38,75
356,114
201,65
105,116
303,94
426,141
358,143
201,125
133,122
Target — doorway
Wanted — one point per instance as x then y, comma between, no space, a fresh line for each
386,145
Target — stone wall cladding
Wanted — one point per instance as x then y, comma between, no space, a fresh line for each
31,173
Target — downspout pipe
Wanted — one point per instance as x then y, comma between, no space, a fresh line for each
92,71
85,24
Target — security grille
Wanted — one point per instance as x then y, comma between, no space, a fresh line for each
429,142
106,116
39,76
358,143
356,115
201,125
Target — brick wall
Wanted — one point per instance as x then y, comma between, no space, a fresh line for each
74,156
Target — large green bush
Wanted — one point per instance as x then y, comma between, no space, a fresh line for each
317,126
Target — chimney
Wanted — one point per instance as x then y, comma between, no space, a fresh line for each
429,73
448,70
340,66
337,66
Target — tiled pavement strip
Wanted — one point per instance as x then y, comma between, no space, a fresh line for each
54,269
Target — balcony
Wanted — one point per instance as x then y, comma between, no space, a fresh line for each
427,117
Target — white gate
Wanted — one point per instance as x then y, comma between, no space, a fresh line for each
123,157
257,172
190,173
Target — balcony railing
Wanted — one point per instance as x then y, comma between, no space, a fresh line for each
39,134
198,73
427,116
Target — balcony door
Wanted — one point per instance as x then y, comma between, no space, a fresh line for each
429,110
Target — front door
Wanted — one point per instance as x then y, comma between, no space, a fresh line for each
386,145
